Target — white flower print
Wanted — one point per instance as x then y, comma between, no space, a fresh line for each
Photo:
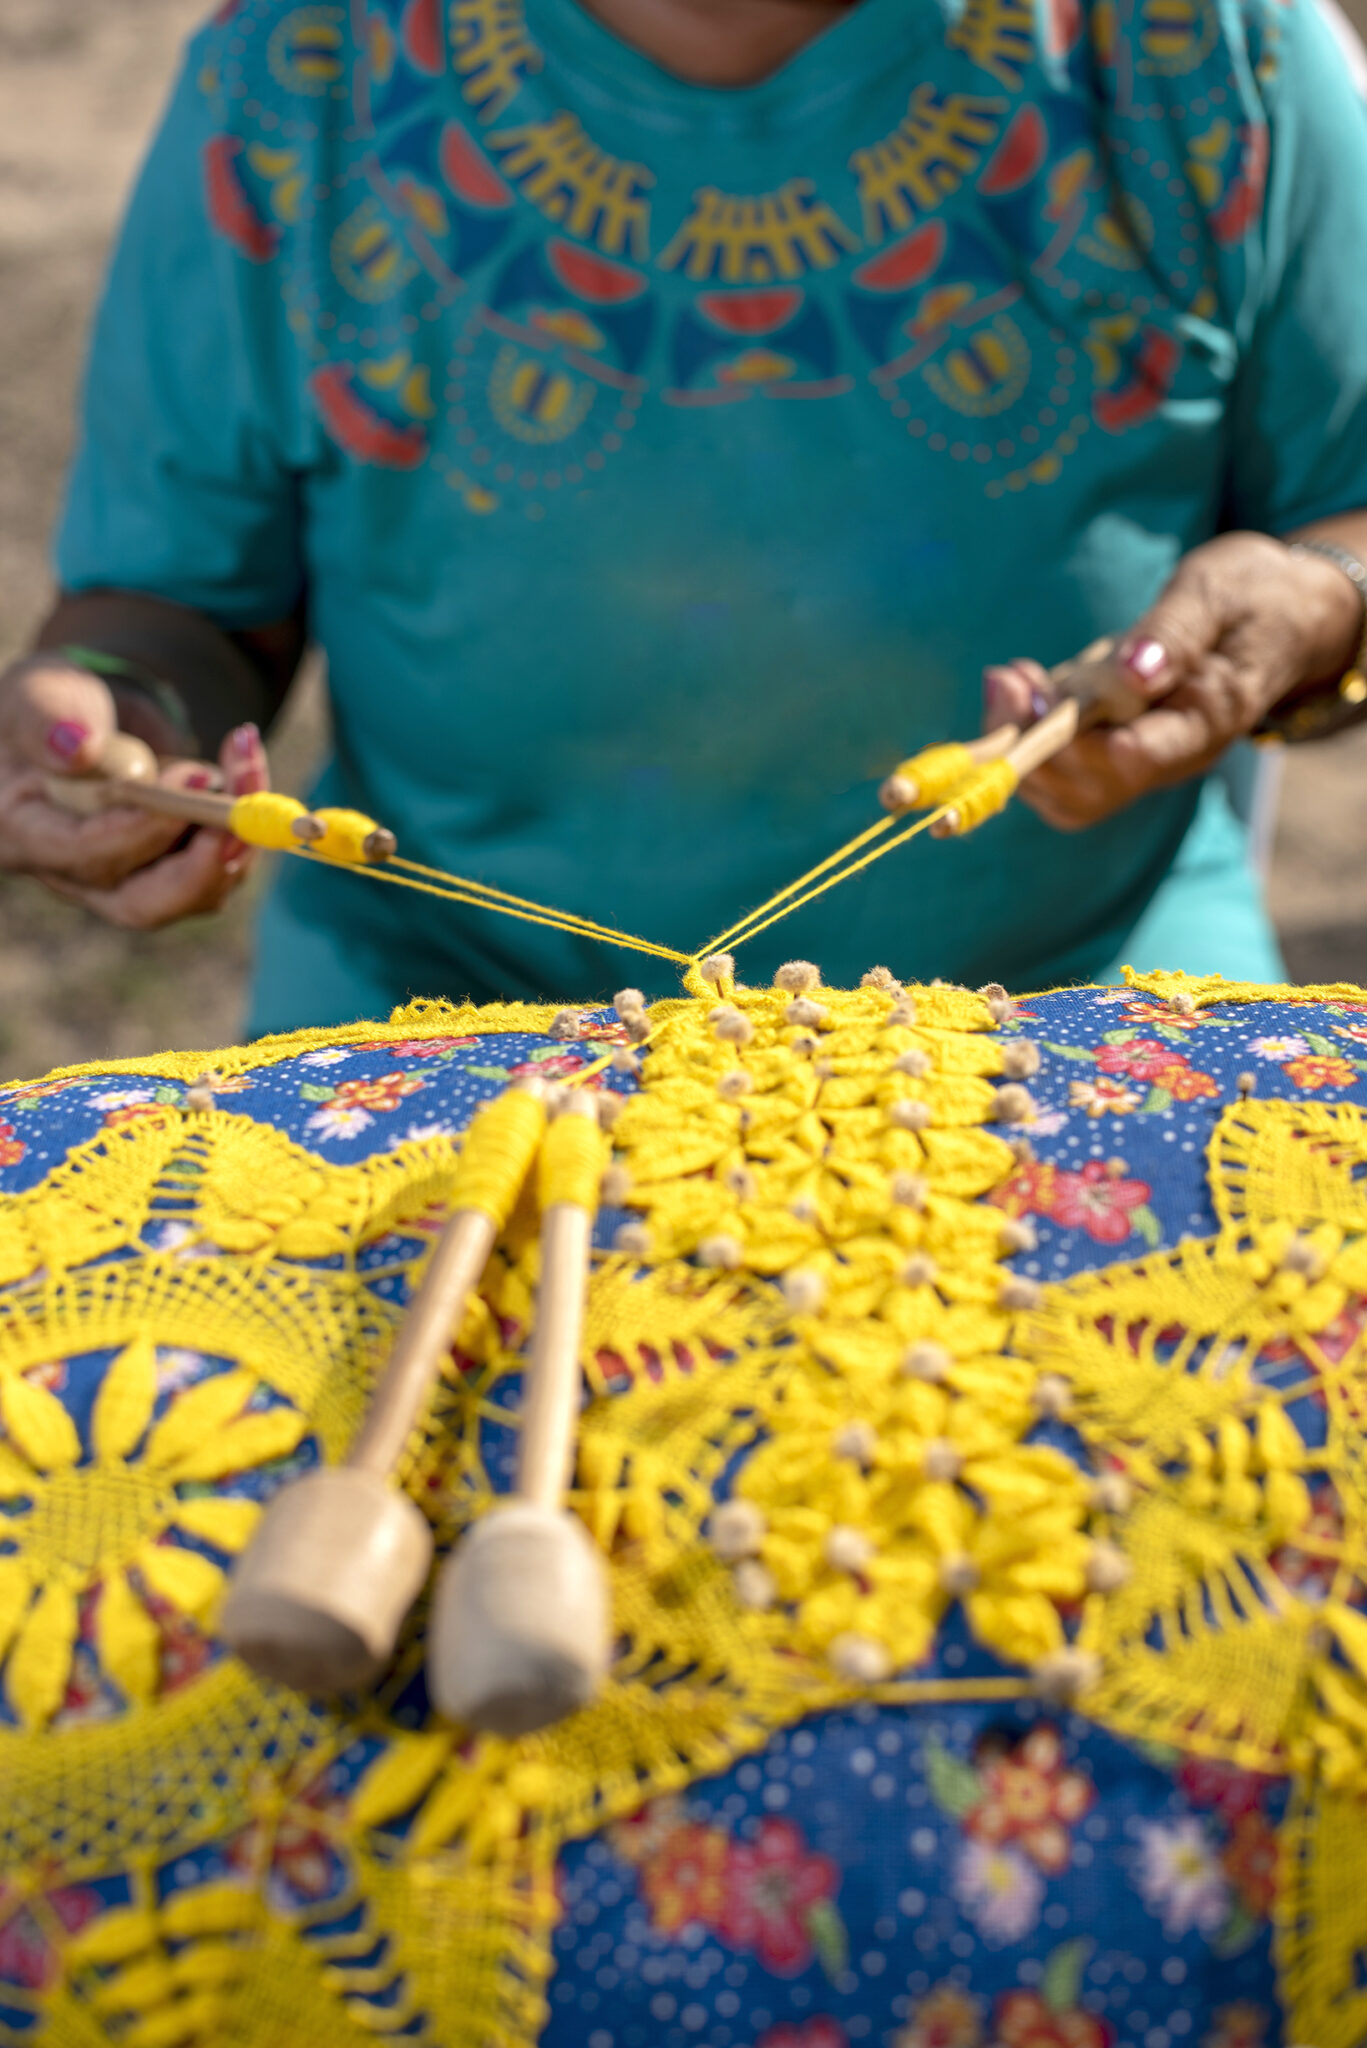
328,1055
418,1134
1290,1048
1180,1878
122,1098
337,1120
999,1889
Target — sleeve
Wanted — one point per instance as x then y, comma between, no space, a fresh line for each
181,488
1298,448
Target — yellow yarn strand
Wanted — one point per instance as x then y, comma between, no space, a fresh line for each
934,774
985,794
851,846
574,1156
497,1155
495,899
745,931
266,819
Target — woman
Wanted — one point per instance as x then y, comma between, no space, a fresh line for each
662,412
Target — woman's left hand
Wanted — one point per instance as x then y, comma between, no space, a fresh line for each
1242,624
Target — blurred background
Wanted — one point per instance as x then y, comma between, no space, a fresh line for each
81,83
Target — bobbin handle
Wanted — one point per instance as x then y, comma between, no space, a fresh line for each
551,1403
1102,687
453,1272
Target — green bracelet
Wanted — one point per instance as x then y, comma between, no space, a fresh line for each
112,668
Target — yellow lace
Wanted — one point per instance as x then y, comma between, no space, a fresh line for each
809,1300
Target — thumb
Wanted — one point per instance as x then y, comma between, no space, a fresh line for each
1177,633
56,717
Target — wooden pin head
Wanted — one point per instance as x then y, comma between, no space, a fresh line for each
123,758
317,1599
520,1630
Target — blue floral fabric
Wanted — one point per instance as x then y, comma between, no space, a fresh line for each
987,1875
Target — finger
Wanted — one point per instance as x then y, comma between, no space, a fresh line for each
99,851
1014,693
1184,626
245,771
194,881
56,717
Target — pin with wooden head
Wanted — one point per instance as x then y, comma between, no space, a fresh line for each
521,1620
319,1596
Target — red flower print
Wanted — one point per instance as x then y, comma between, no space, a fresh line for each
821,2032
770,1887
1210,1781
1320,1070
947,2019
12,1149
684,1880
611,1033
1143,1058
1029,1192
116,1119
1159,1013
386,1092
1030,1799
558,1067
1239,2026
1184,1083
1250,1861
1024,2020
25,1957
1098,1201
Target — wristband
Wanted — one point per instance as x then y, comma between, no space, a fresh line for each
1334,706
128,675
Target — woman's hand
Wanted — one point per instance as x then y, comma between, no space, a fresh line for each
128,866
1242,624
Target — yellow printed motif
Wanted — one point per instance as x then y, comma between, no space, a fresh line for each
594,196
753,238
493,53
935,146
985,373
999,35
305,52
368,257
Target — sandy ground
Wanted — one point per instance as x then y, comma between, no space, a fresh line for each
81,82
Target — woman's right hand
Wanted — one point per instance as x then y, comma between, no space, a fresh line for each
130,867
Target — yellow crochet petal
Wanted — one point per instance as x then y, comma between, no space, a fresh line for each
227,1524
188,1581
115,1936
123,1407
39,1424
255,1440
196,1415
129,1640
216,1909
16,1590
399,1778
40,1662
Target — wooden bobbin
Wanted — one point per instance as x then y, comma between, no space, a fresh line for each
521,1621
320,1594
1094,689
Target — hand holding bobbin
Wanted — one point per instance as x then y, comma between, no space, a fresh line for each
319,1596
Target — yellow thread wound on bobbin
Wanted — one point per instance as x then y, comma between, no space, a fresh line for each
345,837
989,790
497,1156
574,1156
266,819
932,775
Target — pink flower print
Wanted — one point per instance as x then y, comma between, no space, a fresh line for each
1098,1201
769,1889
1143,1058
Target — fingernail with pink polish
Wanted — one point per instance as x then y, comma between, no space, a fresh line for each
66,738
200,779
1146,659
243,741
